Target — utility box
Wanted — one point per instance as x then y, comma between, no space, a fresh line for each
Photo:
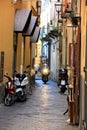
1,65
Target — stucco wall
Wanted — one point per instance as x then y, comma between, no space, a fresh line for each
7,10
54,62
6,33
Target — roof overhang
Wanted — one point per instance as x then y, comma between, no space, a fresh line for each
21,20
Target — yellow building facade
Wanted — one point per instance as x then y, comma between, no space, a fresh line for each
6,34
7,38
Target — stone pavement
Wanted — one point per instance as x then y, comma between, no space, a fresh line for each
42,111
58,106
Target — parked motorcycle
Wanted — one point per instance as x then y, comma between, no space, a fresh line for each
45,73
63,80
20,82
9,91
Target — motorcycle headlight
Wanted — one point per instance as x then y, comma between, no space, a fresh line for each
45,71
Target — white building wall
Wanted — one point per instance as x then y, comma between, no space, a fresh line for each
48,13
54,62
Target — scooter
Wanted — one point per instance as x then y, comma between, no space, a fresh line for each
9,91
45,73
20,82
63,80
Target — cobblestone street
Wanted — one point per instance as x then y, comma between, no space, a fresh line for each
43,110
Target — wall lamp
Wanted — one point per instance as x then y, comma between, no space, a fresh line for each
58,6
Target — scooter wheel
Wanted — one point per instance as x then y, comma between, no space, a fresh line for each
63,89
44,79
9,100
22,97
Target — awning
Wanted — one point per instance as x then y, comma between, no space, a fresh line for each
21,20
31,27
35,36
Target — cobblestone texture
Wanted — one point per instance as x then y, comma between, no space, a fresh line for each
43,110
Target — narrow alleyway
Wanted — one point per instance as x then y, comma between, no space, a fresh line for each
42,111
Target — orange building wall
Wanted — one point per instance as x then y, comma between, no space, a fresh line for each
7,10
6,33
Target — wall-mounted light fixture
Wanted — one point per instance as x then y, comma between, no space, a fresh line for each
58,6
